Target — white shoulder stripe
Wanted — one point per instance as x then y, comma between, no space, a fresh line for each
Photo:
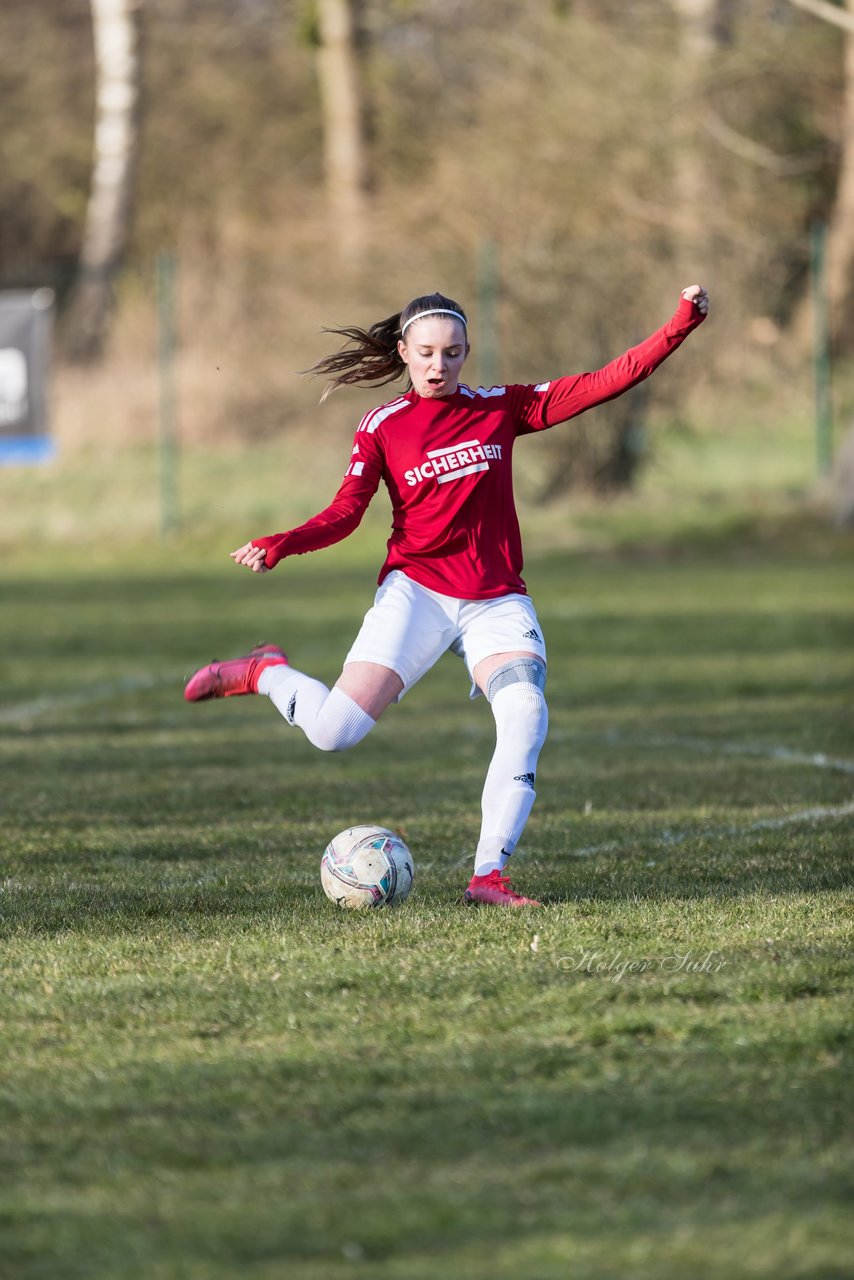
484,392
542,386
376,417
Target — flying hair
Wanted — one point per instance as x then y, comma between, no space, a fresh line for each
371,355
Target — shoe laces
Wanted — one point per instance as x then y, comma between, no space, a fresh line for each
497,881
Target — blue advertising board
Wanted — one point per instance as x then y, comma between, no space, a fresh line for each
26,326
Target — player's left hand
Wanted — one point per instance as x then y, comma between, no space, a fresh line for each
697,294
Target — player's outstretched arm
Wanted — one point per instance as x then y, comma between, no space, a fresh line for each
568,396
252,557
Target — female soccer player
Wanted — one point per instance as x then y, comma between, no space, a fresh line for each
452,576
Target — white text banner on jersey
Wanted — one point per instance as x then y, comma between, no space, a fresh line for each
463,471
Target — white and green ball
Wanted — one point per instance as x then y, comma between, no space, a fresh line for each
367,867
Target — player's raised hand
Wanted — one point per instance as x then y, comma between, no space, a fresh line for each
252,557
697,294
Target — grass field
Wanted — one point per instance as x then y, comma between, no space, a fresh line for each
210,1072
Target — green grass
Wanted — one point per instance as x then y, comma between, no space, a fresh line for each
209,1071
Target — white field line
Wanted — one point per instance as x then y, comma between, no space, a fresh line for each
817,760
24,712
668,838
614,737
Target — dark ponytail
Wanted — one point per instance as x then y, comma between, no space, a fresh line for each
371,355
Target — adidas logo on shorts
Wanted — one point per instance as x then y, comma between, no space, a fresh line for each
532,635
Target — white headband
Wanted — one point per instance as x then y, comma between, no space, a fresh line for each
437,311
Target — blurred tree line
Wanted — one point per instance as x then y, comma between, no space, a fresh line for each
321,161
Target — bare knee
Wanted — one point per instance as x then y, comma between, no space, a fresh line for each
372,686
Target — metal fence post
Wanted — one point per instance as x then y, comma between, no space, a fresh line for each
821,348
170,518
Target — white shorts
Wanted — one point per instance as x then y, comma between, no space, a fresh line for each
409,627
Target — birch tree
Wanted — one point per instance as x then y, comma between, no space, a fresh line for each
344,141
840,241
702,27
116,31
840,237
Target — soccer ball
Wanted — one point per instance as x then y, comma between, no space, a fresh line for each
366,867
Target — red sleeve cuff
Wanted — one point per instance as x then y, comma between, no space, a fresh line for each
687,315
274,546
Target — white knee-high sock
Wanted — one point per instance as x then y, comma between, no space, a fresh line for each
330,719
521,723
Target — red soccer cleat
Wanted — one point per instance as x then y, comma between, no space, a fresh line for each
495,888
234,677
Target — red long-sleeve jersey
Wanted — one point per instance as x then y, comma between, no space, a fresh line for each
446,463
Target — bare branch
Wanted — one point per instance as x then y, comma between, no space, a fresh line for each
828,12
754,152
